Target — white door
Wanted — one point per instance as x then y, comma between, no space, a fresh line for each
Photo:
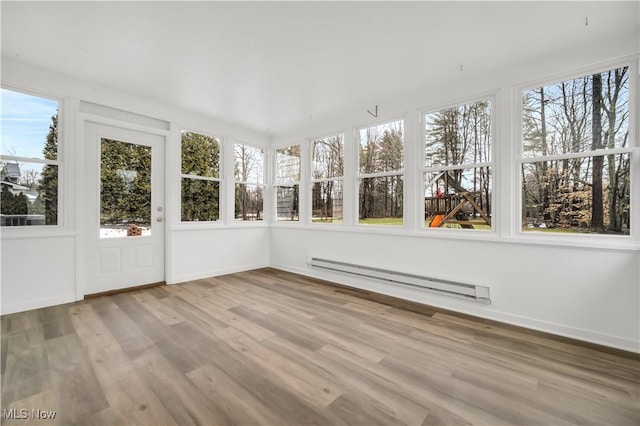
124,208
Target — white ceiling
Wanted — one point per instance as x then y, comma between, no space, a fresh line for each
269,66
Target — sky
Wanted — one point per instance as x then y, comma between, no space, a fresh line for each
24,123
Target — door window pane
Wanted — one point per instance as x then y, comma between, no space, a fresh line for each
125,189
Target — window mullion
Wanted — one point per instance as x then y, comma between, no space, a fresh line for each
31,160
381,174
457,167
577,155
329,179
198,177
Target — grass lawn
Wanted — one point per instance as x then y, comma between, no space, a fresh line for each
316,220
572,231
554,230
395,221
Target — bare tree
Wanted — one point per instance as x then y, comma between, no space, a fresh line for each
597,208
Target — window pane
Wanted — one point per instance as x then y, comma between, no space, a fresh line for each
200,200
288,164
584,195
381,148
200,155
458,198
381,200
125,188
29,194
326,202
580,115
29,126
287,203
328,157
249,163
249,202
458,135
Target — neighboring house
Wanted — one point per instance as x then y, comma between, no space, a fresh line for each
9,177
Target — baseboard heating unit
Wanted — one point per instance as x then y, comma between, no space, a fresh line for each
475,292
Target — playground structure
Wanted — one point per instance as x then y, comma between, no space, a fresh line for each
457,207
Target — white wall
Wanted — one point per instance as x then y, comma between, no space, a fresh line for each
587,288
44,266
198,254
37,272
584,293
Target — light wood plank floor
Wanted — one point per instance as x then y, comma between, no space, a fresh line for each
271,348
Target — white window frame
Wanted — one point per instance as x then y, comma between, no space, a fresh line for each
220,180
587,239
357,176
311,150
290,183
491,165
61,222
250,182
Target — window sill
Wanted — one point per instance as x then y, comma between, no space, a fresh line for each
597,242
21,233
479,236
202,226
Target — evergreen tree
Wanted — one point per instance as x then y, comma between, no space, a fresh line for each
125,183
200,157
38,205
48,188
7,202
13,204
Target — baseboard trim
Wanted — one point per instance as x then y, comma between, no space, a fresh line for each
427,309
36,304
215,273
124,290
